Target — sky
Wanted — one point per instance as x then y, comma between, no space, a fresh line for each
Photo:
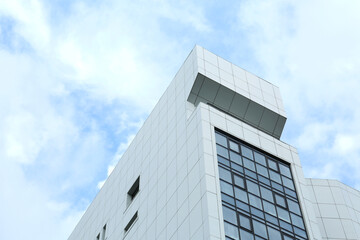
78,79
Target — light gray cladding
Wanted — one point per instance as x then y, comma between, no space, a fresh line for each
337,208
209,91
236,91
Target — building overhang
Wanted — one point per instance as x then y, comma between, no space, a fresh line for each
235,91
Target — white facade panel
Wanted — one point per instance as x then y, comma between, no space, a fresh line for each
337,208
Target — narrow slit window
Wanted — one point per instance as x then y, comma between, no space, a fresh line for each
131,222
133,191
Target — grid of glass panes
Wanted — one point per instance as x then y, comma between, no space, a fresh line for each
258,194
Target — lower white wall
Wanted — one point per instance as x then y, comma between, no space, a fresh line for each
337,208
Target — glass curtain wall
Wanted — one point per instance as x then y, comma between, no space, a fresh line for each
259,198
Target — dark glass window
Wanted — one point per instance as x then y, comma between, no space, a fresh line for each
237,168
242,206
269,208
220,139
240,195
262,170
222,151
252,187
300,232
264,180
131,222
228,199
274,234
266,194
246,235
234,146
259,158
285,170
255,201
260,229
283,214
280,200
235,158
246,152
271,219
229,215
227,188
133,191
258,193
273,165
275,176
239,181
293,207
297,221
287,237
288,183
223,161
245,222
249,164
231,231
225,174
256,212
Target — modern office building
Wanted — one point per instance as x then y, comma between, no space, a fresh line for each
208,163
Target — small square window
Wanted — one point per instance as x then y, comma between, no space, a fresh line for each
235,158
220,139
226,188
249,164
241,195
272,165
133,191
246,152
285,170
259,229
222,151
280,201
229,215
259,158
283,214
266,194
234,146
273,234
239,181
255,201
231,231
225,174
269,208
245,222
252,187
294,207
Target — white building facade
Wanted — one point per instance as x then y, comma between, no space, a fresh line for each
208,164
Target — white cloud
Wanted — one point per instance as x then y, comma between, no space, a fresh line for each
60,65
313,136
312,53
346,143
120,151
109,171
27,205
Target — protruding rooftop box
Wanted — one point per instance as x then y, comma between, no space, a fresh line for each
236,92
